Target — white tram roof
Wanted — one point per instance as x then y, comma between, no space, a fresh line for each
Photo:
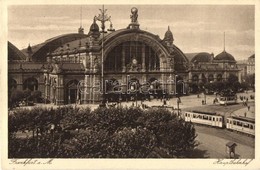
204,112
247,119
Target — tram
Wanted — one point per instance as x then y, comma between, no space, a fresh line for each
241,124
227,100
205,118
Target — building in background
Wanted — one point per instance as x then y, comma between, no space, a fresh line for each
251,64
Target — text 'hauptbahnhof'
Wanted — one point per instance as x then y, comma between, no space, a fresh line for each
107,64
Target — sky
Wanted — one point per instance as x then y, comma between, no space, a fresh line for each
195,28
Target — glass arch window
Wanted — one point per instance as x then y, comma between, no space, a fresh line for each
132,54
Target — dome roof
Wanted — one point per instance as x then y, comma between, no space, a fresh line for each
94,29
252,56
224,56
202,57
168,36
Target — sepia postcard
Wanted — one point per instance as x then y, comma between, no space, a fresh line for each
129,85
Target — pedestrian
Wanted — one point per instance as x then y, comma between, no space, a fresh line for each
179,99
164,102
202,102
245,114
248,107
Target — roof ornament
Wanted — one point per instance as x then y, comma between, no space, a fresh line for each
81,29
134,22
103,18
224,42
168,37
134,15
111,26
29,51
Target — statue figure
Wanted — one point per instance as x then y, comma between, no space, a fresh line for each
134,15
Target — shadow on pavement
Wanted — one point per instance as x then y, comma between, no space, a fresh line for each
197,153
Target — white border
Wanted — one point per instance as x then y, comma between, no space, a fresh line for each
118,163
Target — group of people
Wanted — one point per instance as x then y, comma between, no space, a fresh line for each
244,99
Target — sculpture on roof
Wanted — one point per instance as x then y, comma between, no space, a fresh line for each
134,15
134,23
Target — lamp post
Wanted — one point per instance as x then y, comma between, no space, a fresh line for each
102,18
178,105
205,97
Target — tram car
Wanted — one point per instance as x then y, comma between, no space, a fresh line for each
241,124
205,118
227,100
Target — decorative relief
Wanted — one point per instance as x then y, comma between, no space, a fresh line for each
133,65
134,15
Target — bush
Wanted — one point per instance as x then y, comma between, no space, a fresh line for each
15,97
36,96
102,133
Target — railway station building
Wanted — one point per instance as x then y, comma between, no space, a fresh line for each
68,68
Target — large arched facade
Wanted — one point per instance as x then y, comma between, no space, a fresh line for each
141,56
71,66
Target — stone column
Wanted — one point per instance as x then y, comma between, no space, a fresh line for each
225,76
239,77
200,77
215,76
143,57
19,83
47,86
190,77
149,63
85,90
123,59
60,91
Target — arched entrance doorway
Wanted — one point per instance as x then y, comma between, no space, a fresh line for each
219,77
155,88
31,84
12,84
72,93
179,86
133,89
211,78
112,90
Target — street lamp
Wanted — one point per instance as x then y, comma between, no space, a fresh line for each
103,18
178,105
205,97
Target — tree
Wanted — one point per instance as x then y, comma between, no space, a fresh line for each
232,78
105,132
132,143
16,97
250,80
35,95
